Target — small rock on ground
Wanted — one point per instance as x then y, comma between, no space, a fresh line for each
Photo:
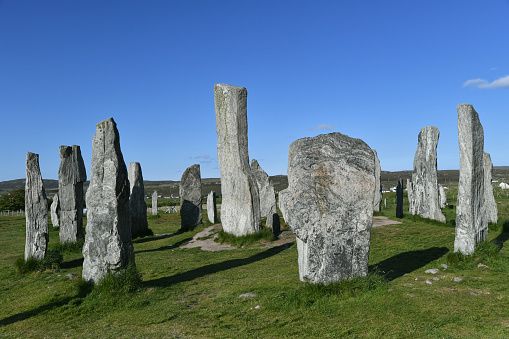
247,295
457,279
432,271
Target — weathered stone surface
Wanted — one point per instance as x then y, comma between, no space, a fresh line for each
190,198
55,211
329,205
442,196
212,207
399,199
36,210
137,204
490,205
377,200
71,176
154,203
108,244
424,186
268,207
240,204
471,221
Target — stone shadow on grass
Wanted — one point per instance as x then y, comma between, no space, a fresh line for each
72,263
214,268
84,290
152,238
169,247
502,237
407,262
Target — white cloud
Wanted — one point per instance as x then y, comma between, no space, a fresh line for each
323,126
482,83
203,156
204,159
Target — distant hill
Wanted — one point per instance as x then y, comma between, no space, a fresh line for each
169,187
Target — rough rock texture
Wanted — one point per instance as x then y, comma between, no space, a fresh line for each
190,198
490,205
137,204
36,210
108,244
399,199
377,200
442,196
240,205
329,205
154,203
424,186
212,207
55,211
471,221
268,207
71,176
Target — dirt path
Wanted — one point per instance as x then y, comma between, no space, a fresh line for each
205,240
383,221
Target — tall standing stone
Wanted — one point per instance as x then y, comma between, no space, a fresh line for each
377,200
36,210
268,207
154,203
71,176
471,220
108,244
190,198
212,207
240,205
442,196
137,204
329,205
399,199
55,211
424,186
490,205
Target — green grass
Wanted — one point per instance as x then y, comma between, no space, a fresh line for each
193,293
245,240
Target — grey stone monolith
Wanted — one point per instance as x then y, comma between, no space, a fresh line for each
55,211
108,244
490,205
137,204
154,203
442,196
377,200
36,210
329,205
212,207
190,198
471,221
268,207
71,176
399,199
424,185
240,204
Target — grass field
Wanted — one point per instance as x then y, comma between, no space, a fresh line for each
192,293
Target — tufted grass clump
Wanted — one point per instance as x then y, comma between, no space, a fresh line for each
486,251
308,293
52,260
244,240
69,247
121,281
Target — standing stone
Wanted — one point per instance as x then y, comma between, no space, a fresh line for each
329,205
409,191
489,199
36,210
424,186
399,199
471,220
240,205
154,203
212,207
55,211
71,176
442,196
190,198
268,207
377,201
137,204
108,244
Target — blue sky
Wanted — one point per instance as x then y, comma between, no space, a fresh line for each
374,70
